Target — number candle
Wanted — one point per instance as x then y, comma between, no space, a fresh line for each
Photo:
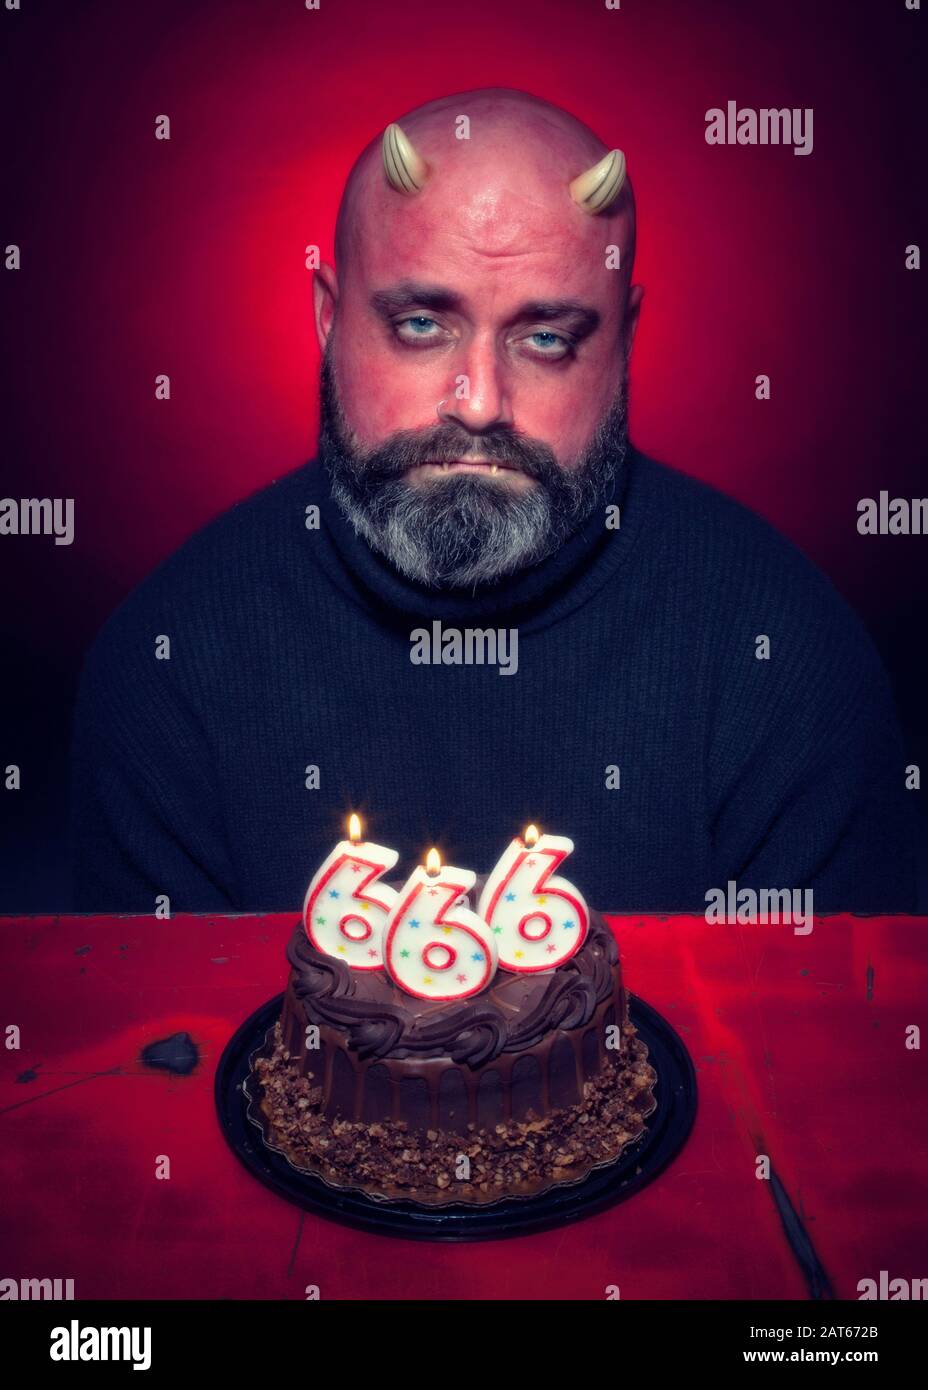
538,921
435,947
341,917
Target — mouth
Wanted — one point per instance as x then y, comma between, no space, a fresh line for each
491,467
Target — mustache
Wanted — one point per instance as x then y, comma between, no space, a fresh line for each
374,477
446,442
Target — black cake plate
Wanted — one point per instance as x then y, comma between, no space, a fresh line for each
667,1129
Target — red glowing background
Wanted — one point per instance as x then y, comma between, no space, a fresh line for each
186,256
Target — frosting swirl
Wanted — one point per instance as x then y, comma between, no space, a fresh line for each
512,1014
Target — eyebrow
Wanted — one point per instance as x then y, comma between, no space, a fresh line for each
409,294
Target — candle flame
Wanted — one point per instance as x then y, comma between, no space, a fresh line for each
531,835
354,828
432,862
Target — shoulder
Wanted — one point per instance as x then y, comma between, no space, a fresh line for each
739,569
679,505
215,581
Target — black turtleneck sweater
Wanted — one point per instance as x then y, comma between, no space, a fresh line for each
637,651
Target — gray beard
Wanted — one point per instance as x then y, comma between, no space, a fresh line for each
464,529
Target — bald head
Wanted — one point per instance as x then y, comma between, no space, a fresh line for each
498,162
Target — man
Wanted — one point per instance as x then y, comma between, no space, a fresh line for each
675,687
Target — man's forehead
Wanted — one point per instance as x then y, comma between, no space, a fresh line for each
410,254
479,211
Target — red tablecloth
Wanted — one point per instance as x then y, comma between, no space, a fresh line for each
799,1044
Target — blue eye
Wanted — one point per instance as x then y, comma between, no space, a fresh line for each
417,325
553,339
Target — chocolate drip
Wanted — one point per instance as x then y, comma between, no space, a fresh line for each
438,1093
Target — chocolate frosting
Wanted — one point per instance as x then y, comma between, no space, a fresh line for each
512,1014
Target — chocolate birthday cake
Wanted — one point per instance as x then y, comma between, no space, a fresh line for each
532,1082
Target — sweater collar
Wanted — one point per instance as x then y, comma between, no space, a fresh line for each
533,598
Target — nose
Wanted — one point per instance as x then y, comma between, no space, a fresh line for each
483,400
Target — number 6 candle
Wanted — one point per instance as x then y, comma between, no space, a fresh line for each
435,947
340,915
538,921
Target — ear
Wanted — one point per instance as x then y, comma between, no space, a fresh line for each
325,298
632,312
